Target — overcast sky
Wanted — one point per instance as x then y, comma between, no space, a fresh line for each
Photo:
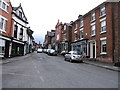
43,15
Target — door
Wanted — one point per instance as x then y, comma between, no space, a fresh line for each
92,49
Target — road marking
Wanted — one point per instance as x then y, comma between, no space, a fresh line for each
22,74
41,78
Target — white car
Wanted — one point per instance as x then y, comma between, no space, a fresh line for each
39,50
52,52
73,56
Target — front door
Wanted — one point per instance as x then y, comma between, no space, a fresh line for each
92,50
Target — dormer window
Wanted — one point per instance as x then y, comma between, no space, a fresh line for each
20,14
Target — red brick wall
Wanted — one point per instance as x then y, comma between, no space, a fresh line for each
116,29
8,16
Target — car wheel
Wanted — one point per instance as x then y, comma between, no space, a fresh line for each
65,59
70,60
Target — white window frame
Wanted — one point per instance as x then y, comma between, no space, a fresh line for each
64,36
103,9
6,6
93,29
58,36
76,37
103,24
81,30
93,17
81,23
4,24
2,44
103,41
76,26
65,27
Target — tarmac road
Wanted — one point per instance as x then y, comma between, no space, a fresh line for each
42,71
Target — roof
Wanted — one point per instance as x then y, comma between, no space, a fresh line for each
19,7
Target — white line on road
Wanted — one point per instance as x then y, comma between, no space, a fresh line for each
41,78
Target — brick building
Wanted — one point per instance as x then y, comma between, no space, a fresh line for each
79,41
66,37
6,28
49,42
58,36
96,34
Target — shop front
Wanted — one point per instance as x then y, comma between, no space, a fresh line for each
81,47
17,49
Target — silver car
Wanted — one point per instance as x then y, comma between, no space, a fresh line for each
73,56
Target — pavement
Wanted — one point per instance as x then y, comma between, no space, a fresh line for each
105,65
100,64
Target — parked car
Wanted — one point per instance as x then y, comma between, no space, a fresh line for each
39,50
47,50
44,50
73,56
52,52
63,53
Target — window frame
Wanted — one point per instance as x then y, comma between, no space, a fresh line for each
93,15
20,14
2,47
93,30
15,31
102,11
64,36
65,27
3,24
81,23
103,26
103,42
6,5
82,35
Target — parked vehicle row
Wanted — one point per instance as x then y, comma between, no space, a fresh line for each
69,56
51,52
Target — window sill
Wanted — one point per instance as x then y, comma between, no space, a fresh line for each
103,32
4,10
81,26
102,16
81,38
93,35
103,53
2,31
92,20
75,29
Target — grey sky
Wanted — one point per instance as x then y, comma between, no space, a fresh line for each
43,15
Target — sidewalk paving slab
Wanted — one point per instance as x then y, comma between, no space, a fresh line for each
105,65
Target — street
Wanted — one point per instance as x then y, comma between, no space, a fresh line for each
43,71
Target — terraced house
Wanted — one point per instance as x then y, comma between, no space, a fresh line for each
66,37
22,34
15,35
6,28
96,34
